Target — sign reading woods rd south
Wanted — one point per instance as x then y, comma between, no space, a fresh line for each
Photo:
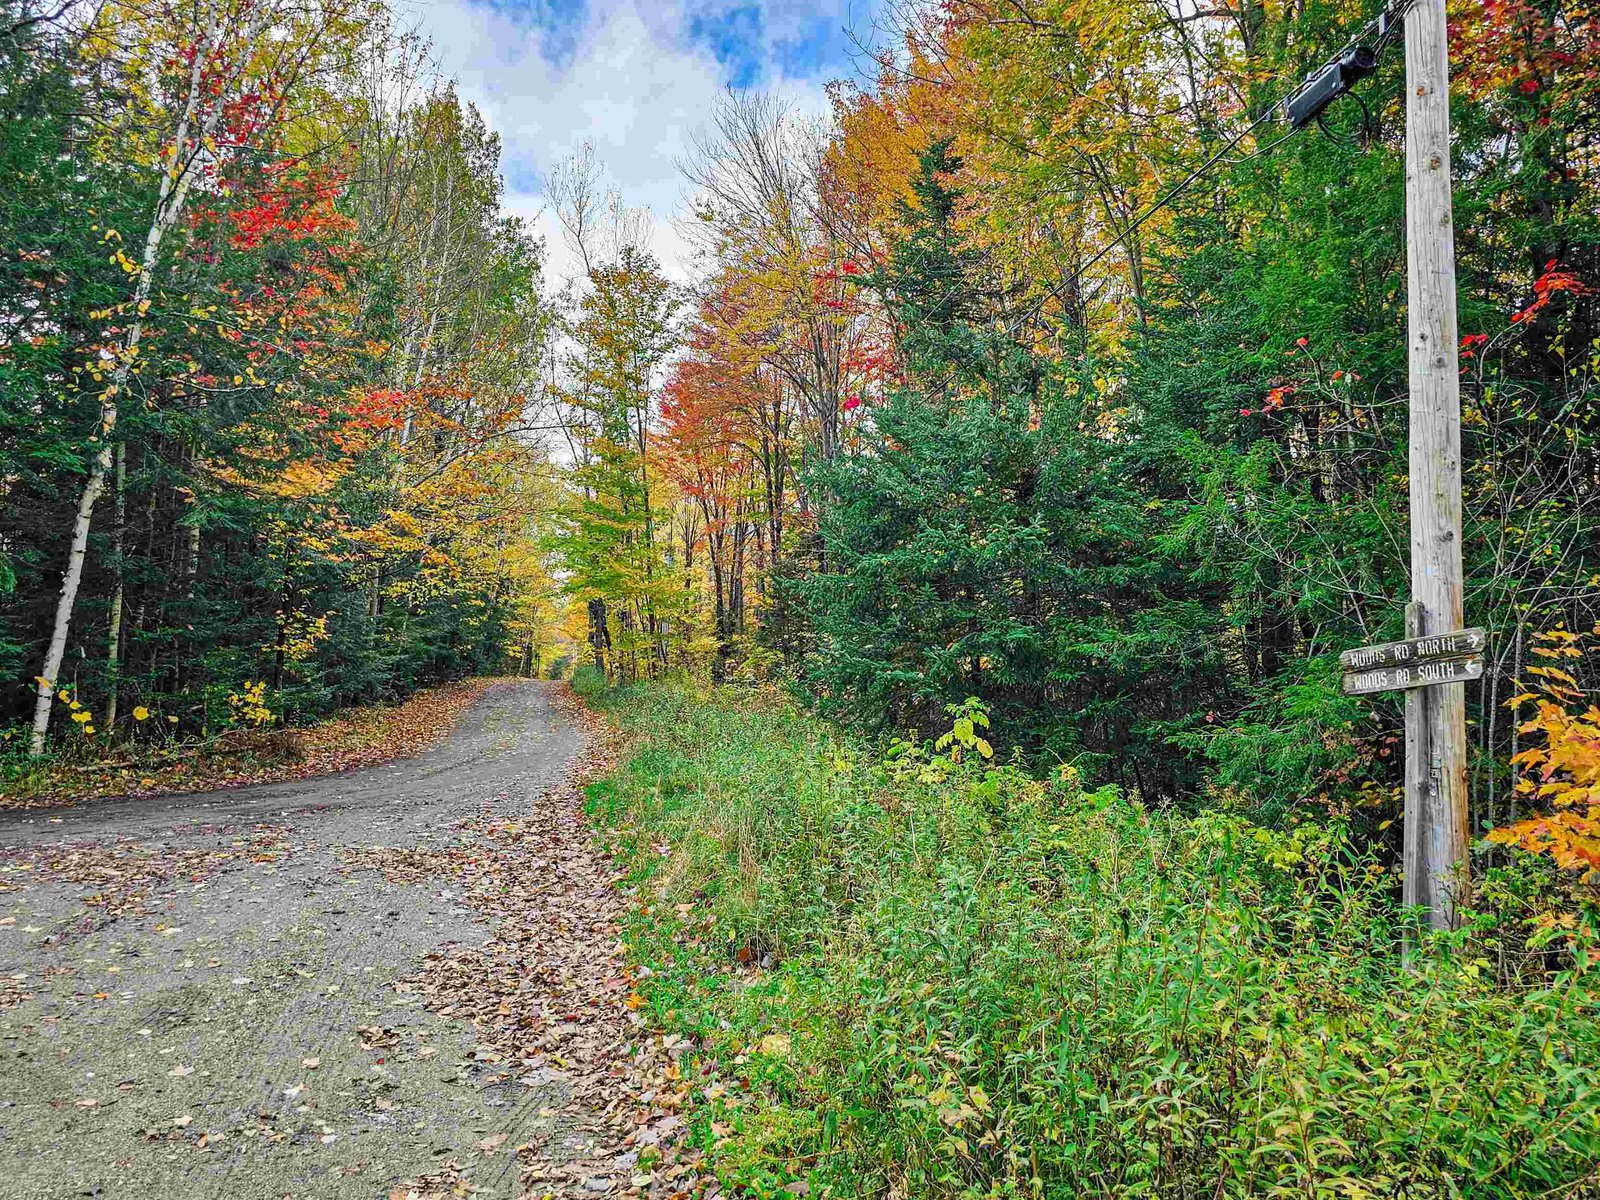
1413,650
1418,674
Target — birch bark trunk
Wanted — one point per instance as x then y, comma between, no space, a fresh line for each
176,177
114,633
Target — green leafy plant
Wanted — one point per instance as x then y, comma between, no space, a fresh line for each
911,973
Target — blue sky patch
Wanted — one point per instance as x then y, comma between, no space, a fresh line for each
734,37
822,48
557,22
637,79
520,174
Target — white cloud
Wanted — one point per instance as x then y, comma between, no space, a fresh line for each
625,75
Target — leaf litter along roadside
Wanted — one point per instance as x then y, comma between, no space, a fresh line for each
354,738
551,998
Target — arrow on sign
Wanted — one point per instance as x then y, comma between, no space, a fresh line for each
1413,650
1417,674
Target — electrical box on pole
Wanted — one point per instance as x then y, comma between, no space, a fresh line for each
1329,82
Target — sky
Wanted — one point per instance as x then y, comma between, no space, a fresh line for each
636,78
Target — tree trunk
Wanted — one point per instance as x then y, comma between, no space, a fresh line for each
599,635
114,632
176,176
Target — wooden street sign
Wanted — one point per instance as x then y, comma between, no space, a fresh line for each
1461,643
1416,675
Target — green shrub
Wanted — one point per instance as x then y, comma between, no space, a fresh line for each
920,977
589,682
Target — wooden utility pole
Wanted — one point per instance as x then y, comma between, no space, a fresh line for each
1436,733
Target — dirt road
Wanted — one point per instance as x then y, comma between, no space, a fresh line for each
198,994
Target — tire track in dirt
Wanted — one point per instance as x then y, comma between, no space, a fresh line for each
205,1041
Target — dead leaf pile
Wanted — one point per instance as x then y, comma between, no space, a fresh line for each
11,993
447,1183
401,865
549,996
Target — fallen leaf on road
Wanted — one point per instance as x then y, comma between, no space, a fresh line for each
125,874
550,990
448,1183
359,737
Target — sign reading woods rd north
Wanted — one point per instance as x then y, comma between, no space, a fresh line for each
1418,674
1414,650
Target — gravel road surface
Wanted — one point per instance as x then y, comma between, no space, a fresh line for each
196,992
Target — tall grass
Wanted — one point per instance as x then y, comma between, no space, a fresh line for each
929,978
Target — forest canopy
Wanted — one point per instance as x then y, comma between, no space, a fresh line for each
965,399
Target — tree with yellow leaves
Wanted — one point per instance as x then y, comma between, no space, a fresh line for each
1560,772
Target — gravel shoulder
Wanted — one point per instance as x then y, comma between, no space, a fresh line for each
198,993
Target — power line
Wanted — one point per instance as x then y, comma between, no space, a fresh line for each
1263,151
1179,188
1323,86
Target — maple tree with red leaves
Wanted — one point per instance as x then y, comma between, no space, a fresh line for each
312,398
